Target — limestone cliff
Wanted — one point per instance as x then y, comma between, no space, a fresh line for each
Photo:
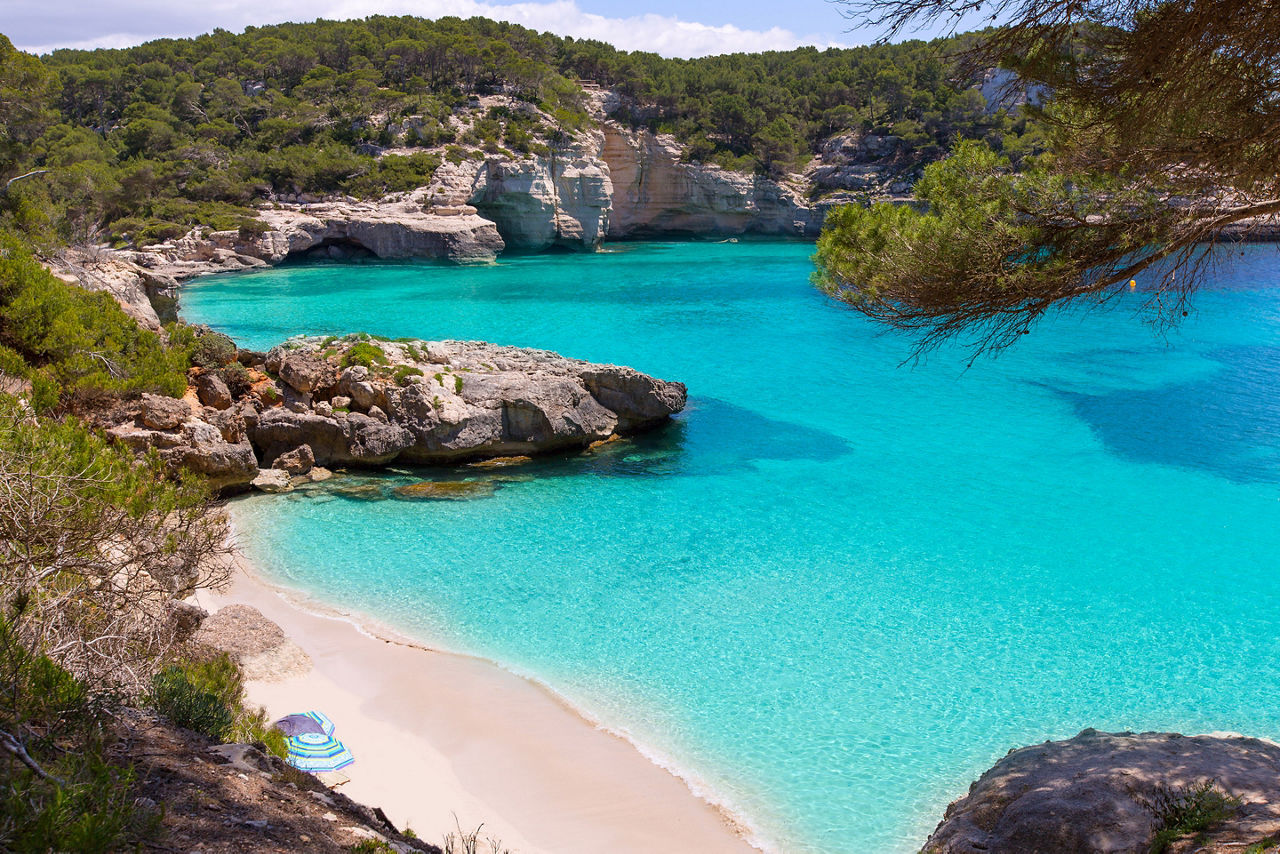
606,181
401,226
655,193
537,201
137,289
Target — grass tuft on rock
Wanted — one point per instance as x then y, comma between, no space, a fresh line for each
1182,811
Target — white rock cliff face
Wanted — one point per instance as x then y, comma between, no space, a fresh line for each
536,202
655,193
615,183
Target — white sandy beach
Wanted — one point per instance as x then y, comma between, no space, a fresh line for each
438,735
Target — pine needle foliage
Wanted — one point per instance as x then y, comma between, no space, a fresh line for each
1164,138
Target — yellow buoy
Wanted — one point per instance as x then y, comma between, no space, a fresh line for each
1133,283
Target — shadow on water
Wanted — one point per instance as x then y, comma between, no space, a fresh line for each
710,438
1227,423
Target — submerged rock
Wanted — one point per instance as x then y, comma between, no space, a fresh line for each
445,490
361,492
501,462
1109,792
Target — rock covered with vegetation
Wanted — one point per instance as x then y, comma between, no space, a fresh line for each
1121,792
358,401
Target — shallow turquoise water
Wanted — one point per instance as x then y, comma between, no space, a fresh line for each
836,589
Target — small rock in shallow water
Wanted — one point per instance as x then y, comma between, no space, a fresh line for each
445,490
594,446
273,480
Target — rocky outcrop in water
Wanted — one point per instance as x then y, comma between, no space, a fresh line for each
1114,792
314,403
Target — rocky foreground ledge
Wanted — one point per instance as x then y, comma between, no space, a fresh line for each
316,402
1121,792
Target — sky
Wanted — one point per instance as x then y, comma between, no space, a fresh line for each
668,27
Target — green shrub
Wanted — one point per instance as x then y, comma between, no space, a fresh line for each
457,384
80,343
89,805
253,727
207,695
402,373
236,376
250,228
213,350
371,846
1179,812
188,704
364,354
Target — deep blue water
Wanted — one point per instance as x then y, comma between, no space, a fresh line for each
836,588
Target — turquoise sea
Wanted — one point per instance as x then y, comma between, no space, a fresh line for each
836,588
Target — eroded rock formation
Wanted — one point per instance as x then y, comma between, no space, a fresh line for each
654,193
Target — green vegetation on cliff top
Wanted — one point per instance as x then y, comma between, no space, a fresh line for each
144,142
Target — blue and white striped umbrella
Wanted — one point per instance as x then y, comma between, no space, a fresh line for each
316,752
300,722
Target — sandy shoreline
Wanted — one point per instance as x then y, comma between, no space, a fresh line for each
444,741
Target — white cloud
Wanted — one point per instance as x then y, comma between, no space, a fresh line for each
667,35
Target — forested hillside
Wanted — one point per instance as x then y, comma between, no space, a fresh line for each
142,143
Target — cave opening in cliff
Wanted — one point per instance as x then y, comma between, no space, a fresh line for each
334,249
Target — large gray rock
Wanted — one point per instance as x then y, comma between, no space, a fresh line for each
190,443
432,402
1096,793
212,391
203,450
303,370
298,461
164,413
356,439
